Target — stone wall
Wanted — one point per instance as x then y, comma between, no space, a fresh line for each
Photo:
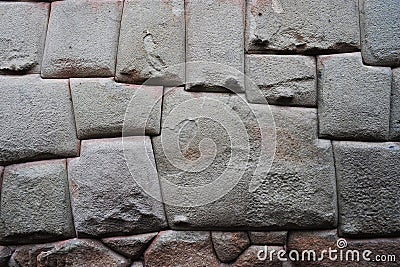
199,132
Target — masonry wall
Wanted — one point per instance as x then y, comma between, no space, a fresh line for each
199,132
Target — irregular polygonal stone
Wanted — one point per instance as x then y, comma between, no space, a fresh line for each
152,42
23,35
270,237
215,34
130,246
35,203
5,255
100,106
368,188
380,32
282,79
229,245
302,26
26,256
106,199
395,106
179,248
86,45
80,252
37,120
255,256
354,100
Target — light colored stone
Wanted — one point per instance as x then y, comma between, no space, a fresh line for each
395,106
229,245
26,256
35,203
380,32
36,118
215,34
80,252
137,264
283,79
354,99
130,246
106,199
368,188
100,106
82,39
270,237
302,26
184,249
23,33
152,42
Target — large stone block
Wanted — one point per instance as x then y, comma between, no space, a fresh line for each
215,34
106,197
354,100
100,106
283,79
395,106
302,26
380,32
23,33
37,120
368,188
152,42
35,204
82,39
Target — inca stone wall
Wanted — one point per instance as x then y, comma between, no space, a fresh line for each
199,132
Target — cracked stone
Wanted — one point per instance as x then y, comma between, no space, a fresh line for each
229,245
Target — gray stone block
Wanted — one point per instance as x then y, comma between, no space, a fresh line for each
215,34
152,42
35,204
106,198
395,106
100,106
37,120
270,237
380,32
302,26
23,33
82,39
282,79
354,99
368,188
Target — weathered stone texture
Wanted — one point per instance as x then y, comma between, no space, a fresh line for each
35,203
302,26
283,80
82,39
184,249
215,34
23,33
380,32
106,199
266,238
40,123
26,256
5,255
130,246
229,245
395,106
354,100
249,258
100,106
368,188
152,42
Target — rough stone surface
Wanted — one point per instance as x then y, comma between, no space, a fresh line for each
380,32
5,255
35,203
137,264
215,34
249,258
395,106
229,245
23,35
368,188
100,106
266,238
82,39
80,252
184,249
283,79
130,246
354,100
26,256
40,123
106,199
302,26
152,42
